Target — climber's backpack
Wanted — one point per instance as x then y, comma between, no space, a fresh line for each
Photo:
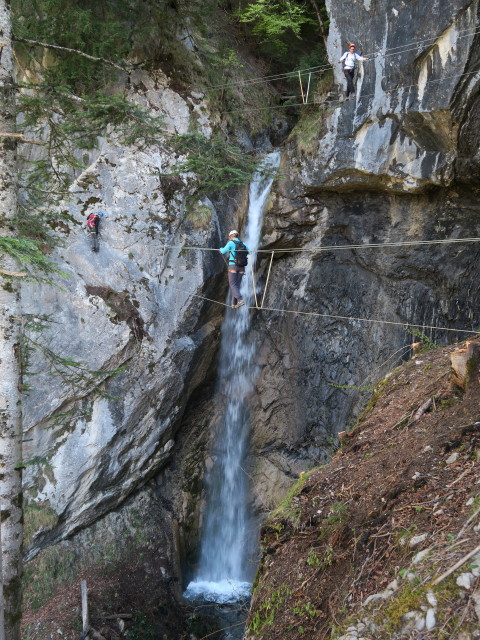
91,221
241,254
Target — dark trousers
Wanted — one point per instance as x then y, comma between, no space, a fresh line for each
94,241
235,275
349,73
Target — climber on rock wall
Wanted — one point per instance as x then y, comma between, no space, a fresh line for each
349,59
93,229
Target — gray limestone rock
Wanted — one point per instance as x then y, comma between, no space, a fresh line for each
131,306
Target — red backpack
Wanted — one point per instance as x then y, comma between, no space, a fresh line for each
91,221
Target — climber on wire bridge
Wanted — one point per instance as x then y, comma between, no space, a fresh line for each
237,261
349,59
315,314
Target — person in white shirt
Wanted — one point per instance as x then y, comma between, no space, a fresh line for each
349,58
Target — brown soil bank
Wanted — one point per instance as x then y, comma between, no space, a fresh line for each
384,541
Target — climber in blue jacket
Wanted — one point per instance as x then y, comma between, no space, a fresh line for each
237,261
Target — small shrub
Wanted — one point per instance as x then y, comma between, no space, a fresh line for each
264,616
428,344
200,215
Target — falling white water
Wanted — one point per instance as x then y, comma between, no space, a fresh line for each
224,570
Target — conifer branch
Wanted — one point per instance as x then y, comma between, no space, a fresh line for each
77,52
15,274
20,137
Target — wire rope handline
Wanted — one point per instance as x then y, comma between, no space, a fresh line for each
336,247
391,51
331,316
268,278
316,314
194,295
360,96
373,245
371,320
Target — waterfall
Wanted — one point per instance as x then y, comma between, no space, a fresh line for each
224,571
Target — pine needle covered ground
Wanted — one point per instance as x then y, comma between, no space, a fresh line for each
361,547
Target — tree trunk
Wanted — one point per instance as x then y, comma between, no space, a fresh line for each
2,606
10,398
320,22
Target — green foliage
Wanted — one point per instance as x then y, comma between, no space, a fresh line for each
100,29
313,559
131,122
428,344
37,516
68,125
27,252
379,388
36,460
410,598
320,80
320,562
288,31
475,505
99,556
75,123
264,615
217,164
313,119
64,110
331,526
70,373
350,386
141,629
199,214
274,18
305,609
227,61
404,536
338,513
42,575
287,509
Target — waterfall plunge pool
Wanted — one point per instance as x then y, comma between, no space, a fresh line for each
223,592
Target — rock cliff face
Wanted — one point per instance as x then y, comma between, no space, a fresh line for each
395,164
125,357
398,163
130,305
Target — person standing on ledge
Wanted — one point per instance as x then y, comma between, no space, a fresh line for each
237,261
349,59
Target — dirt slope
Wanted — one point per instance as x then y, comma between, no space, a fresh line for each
385,518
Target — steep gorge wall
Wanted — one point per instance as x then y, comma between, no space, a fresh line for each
92,447
130,305
397,163
400,162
